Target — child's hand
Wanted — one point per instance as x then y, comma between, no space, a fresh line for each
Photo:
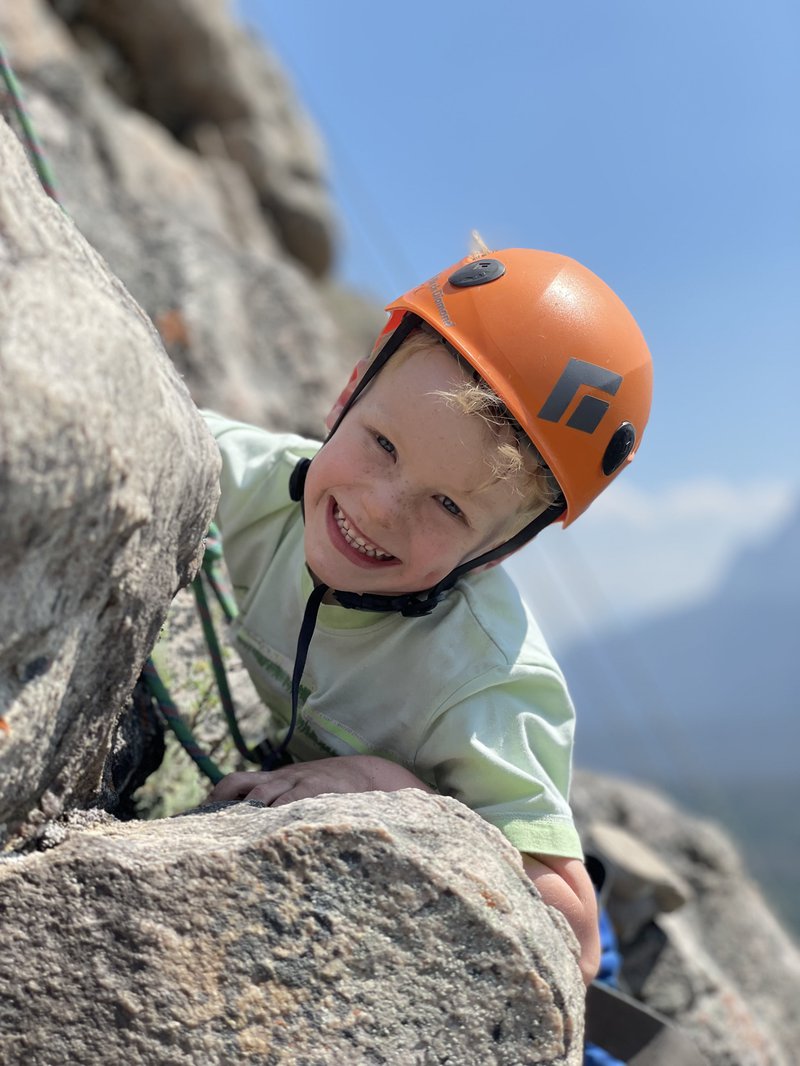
345,773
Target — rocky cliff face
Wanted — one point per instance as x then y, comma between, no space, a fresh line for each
216,218
108,481
187,265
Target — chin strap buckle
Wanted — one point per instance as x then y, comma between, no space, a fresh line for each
414,608
410,606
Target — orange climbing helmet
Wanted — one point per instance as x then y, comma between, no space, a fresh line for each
561,351
558,347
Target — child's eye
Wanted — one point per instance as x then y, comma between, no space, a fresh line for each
385,443
450,505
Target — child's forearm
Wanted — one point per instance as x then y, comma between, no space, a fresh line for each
565,885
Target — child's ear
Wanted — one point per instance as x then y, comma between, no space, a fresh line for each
346,393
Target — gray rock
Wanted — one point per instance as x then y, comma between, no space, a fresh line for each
643,884
108,482
358,319
32,36
393,928
191,67
188,234
721,965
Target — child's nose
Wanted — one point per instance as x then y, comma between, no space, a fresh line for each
383,505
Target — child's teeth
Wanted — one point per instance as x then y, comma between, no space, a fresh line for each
357,542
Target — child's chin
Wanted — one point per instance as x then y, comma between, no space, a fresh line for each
351,579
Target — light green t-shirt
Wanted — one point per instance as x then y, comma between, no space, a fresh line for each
468,698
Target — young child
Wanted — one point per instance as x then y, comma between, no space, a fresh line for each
503,395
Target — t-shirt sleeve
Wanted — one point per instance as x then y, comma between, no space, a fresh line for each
256,465
504,749
255,507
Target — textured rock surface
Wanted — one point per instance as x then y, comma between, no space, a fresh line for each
201,76
384,928
108,481
720,965
186,226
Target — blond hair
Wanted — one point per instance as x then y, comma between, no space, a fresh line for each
515,457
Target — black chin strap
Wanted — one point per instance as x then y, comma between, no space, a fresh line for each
407,326
414,604
278,756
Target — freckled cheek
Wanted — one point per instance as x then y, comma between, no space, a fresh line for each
436,556
339,465
324,475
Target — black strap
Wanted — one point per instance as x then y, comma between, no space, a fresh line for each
634,1033
408,325
277,757
414,604
527,533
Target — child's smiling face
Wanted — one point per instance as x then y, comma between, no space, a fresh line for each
403,492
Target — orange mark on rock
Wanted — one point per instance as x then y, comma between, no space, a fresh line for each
173,327
4,726
489,898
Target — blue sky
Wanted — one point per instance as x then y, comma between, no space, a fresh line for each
655,143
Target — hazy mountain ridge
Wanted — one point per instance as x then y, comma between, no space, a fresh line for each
720,674
704,701
769,570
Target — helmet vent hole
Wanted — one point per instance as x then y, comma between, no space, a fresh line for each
480,272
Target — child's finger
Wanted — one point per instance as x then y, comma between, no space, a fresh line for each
236,786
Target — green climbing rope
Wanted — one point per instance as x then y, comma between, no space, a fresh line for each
160,693
216,580
212,571
215,572
29,133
